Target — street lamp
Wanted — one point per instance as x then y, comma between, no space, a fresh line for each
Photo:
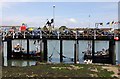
53,16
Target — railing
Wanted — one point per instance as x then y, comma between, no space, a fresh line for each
57,36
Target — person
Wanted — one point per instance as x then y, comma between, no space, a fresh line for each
17,48
23,27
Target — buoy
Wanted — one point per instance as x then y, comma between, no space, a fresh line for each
116,38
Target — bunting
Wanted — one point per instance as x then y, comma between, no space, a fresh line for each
97,24
111,23
50,22
101,24
107,23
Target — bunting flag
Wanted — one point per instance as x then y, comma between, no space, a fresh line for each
116,23
48,23
107,23
97,24
101,24
111,23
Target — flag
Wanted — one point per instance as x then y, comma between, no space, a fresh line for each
101,24
48,23
97,24
52,20
111,23
107,23
116,23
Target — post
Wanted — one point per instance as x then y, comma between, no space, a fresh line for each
9,48
112,56
27,48
75,60
41,52
76,52
45,50
61,51
93,50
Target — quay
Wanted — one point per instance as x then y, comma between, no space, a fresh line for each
44,36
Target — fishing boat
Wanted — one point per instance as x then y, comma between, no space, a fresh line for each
103,54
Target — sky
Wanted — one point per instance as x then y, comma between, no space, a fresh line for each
71,14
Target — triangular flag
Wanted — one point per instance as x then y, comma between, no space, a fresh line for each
107,23
101,24
48,23
116,22
111,23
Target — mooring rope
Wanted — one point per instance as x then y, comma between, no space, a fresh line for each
54,48
50,57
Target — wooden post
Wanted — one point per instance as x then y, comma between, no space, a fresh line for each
61,51
76,52
27,48
112,56
1,57
45,50
93,50
9,48
75,60
41,52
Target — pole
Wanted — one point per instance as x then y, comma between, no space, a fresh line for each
53,16
76,52
112,56
61,51
41,52
93,50
9,48
45,50
27,48
75,59
96,26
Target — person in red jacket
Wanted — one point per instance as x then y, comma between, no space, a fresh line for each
23,27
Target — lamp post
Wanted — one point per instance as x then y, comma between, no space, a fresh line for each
53,16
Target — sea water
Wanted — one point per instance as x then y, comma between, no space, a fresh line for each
54,50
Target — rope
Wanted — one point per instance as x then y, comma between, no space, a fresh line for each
58,53
50,57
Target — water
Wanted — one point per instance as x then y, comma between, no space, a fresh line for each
54,48
19,63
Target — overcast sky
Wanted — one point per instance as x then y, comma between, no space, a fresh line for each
71,14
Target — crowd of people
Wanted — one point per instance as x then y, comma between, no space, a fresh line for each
35,32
